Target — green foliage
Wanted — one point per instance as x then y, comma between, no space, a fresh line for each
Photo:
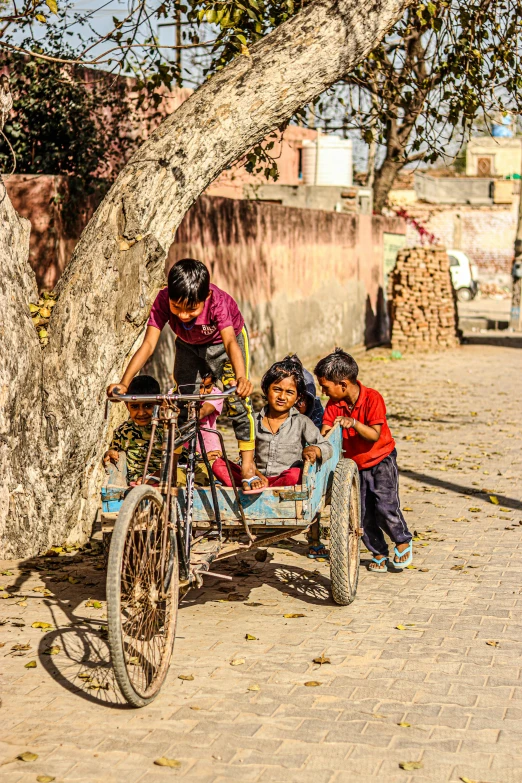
70,121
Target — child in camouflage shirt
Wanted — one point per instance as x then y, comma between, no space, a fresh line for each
132,438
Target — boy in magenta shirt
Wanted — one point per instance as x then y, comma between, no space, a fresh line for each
210,337
367,440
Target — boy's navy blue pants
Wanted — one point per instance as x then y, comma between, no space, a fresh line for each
380,506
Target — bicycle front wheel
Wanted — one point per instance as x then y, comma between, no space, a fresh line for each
142,595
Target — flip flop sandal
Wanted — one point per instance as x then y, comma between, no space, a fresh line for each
318,552
379,562
408,551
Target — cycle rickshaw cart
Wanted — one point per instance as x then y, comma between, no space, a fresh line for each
166,538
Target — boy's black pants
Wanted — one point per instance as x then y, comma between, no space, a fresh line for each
380,506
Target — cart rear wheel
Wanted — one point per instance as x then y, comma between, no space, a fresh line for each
142,595
345,515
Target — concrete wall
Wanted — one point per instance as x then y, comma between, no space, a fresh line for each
505,155
485,234
306,280
330,197
454,190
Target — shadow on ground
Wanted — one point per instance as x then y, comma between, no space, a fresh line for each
433,481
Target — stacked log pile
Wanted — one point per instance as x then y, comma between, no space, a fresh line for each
423,303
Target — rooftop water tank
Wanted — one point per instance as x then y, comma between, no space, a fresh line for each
332,166
502,129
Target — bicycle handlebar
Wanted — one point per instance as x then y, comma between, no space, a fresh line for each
158,398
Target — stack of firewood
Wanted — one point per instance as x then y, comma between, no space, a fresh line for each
423,303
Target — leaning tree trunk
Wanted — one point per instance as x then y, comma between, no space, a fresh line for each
384,179
53,430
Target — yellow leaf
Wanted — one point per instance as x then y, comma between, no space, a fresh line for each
404,725
164,762
294,615
494,499
53,650
254,688
42,333
473,413
51,5
44,626
94,604
45,312
27,756
134,661
244,51
401,627
237,662
474,509
188,677
312,684
41,18
250,638
409,765
321,659
492,643
33,308
84,676
407,508
30,665
460,519
467,780
45,778
505,510
19,646
124,245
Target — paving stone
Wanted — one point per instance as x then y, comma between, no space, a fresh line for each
462,697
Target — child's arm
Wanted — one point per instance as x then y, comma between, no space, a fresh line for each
138,361
207,409
244,387
371,433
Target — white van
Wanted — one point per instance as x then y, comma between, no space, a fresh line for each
464,275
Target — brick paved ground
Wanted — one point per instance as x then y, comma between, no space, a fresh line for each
453,674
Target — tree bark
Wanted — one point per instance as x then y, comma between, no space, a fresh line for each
384,179
54,432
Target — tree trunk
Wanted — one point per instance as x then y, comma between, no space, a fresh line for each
384,179
53,432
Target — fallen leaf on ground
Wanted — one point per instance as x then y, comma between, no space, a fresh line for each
45,779
460,519
254,687
505,510
467,780
94,604
424,570
134,661
407,508
409,765
98,686
164,762
492,643
321,659
294,615
84,676
312,684
21,647
41,625
30,665
188,677
27,756
494,499
53,650
237,662
250,638
474,509
404,725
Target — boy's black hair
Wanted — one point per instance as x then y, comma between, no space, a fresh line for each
208,373
289,367
189,282
144,384
337,366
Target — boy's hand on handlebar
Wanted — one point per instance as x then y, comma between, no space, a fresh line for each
311,454
111,456
116,388
244,388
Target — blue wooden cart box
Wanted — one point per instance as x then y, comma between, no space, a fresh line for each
281,506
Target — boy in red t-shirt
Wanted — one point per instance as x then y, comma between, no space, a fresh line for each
211,337
368,441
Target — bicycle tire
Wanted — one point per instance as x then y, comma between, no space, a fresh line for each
345,515
139,627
